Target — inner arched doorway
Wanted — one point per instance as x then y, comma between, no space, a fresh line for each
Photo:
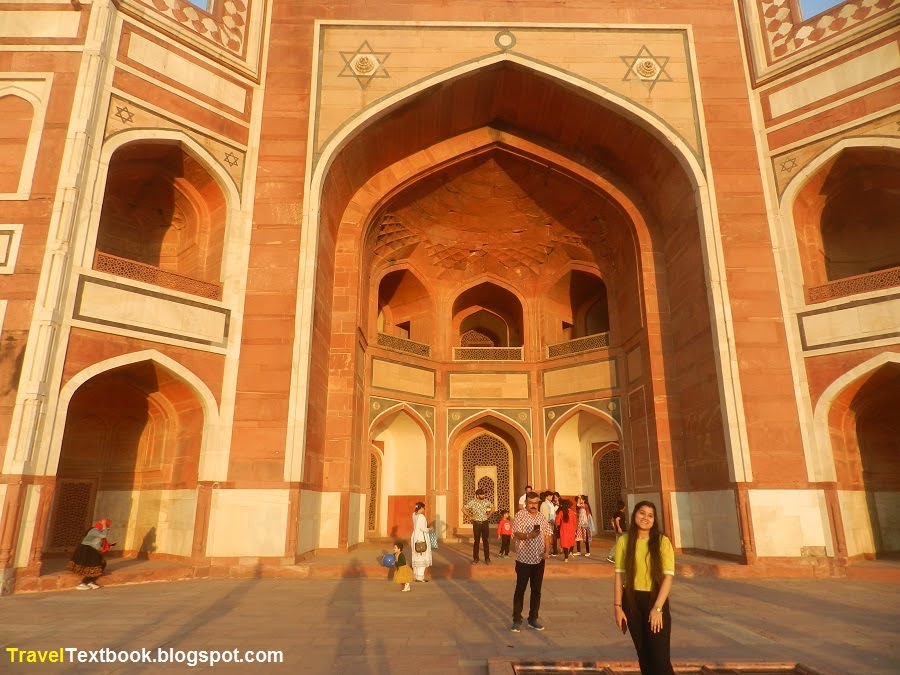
400,452
487,453
487,464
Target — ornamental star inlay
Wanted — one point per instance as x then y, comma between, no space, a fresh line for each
789,164
231,159
646,68
364,65
124,114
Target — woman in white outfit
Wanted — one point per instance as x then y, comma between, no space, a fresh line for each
420,533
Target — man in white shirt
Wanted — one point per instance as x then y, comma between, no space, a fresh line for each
522,498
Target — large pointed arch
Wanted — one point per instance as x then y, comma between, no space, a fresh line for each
695,171
213,461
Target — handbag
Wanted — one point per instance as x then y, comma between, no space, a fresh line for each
421,547
432,535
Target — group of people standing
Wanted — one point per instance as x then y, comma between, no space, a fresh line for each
573,523
645,568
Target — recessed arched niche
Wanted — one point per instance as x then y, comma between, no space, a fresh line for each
405,308
847,217
162,220
579,305
17,114
488,315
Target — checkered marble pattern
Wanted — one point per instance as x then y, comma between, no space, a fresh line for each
226,30
786,33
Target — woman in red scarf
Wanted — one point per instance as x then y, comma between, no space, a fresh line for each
87,561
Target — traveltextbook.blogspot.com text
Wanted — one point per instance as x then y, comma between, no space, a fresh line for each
190,657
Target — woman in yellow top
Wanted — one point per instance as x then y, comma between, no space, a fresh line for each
645,567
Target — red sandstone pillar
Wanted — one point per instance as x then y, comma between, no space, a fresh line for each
42,523
836,523
746,525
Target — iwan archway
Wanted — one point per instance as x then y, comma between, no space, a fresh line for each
613,194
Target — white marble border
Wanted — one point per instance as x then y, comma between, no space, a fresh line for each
34,88
8,257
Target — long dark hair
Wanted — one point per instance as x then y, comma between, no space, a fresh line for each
564,506
655,557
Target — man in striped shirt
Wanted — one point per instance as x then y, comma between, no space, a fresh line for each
533,535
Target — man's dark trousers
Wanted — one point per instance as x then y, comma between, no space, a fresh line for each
481,530
526,573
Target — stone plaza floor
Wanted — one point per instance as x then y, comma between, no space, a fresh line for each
365,625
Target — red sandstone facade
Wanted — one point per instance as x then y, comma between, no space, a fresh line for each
303,264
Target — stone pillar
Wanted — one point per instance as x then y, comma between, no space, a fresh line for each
9,533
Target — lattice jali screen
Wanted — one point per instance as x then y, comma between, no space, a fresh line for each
487,353
486,450
373,492
579,345
403,345
122,267
609,470
475,338
73,503
863,283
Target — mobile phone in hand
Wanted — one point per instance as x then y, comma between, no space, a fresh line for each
624,626
536,528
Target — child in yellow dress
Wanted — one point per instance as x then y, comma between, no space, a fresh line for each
403,573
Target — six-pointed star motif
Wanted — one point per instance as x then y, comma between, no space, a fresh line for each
124,114
364,65
646,68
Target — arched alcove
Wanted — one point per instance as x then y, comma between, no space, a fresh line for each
163,219
405,308
491,311
579,305
573,441
130,451
404,468
846,218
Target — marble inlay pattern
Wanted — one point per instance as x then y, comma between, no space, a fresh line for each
786,32
227,29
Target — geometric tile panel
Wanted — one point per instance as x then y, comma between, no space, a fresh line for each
226,31
786,32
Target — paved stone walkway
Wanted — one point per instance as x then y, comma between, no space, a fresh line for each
455,625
